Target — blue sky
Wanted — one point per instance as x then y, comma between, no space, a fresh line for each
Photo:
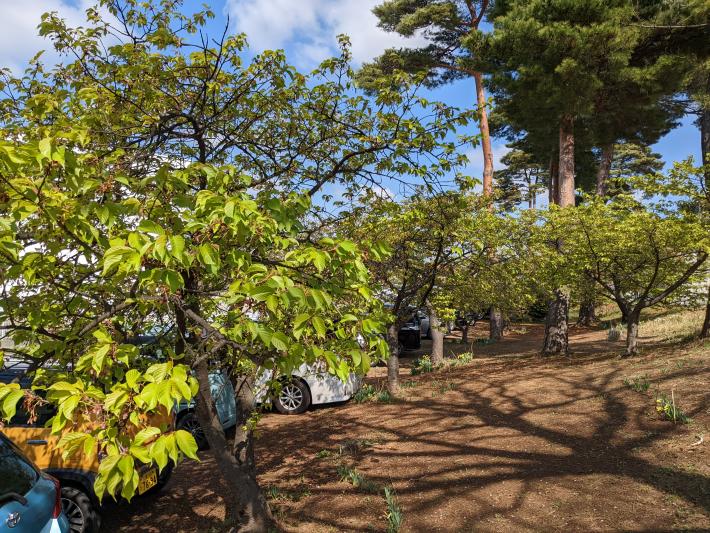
306,29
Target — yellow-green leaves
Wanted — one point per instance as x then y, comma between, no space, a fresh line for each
10,395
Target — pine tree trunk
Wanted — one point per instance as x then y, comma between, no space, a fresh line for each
556,339
393,361
705,151
485,136
554,178
566,171
632,330
705,144
247,503
437,337
705,332
495,324
604,169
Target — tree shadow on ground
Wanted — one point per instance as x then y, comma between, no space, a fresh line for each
496,444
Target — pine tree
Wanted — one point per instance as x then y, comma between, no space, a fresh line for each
522,179
445,24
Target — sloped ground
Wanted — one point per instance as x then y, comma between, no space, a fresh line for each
517,443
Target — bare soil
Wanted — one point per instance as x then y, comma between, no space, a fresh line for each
508,442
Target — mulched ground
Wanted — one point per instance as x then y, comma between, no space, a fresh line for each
509,442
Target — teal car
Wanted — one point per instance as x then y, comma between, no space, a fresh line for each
226,405
30,501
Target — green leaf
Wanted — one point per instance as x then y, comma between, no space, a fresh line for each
132,377
145,434
45,148
319,326
279,341
186,443
9,404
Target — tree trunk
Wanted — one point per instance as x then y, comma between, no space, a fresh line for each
495,324
437,337
632,330
247,501
705,332
485,136
554,178
393,360
566,170
556,340
243,448
705,144
464,333
624,317
587,313
604,169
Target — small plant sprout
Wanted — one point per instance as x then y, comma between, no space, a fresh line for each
357,480
639,383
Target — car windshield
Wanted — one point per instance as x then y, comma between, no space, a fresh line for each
16,474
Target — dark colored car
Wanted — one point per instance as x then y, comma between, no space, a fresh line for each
410,334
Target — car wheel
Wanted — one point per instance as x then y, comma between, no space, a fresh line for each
189,423
294,398
80,512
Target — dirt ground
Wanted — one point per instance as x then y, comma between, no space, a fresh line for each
507,442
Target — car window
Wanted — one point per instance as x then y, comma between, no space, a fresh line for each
16,474
42,412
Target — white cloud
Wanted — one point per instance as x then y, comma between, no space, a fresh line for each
475,159
308,28
19,39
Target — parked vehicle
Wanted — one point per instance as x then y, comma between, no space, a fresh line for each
424,324
413,330
308,385
223,394
463,320
77,472
30,501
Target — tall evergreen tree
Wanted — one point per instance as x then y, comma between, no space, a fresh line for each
446,25
576,65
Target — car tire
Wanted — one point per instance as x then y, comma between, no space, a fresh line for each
294,398
80,512
189,423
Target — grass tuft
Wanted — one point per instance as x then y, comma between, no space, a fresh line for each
394,512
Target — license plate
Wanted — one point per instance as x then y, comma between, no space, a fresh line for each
147,480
